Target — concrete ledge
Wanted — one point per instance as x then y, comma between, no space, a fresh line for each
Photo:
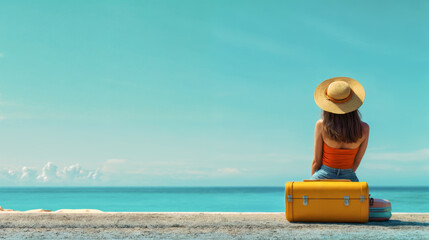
202,226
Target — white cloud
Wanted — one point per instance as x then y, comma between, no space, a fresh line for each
76,174
12,173
8,175
28,174
94,175
71,171
49,173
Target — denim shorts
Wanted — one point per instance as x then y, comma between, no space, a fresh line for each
334,173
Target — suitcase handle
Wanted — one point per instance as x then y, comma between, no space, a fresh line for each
327,180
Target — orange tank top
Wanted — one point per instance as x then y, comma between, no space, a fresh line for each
338,158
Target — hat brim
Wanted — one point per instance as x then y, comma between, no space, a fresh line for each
340,108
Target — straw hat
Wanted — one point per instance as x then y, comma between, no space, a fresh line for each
339,95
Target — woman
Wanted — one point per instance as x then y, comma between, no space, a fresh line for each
340,137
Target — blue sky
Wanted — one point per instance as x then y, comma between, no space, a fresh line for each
204,93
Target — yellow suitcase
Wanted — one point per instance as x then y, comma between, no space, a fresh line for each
333,200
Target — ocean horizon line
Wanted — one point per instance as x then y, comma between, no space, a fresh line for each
161,186
158,212
184,198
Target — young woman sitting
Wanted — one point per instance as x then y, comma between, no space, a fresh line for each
341,138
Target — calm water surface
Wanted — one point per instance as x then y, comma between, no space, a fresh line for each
184,199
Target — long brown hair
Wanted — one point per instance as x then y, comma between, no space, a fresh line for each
343,127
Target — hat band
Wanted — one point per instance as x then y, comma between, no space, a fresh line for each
340,100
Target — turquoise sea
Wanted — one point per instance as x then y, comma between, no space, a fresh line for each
183,199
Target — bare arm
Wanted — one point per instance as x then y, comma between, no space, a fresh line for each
362,148
318,147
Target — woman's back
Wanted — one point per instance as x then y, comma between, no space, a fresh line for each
341,153
344,145
338,159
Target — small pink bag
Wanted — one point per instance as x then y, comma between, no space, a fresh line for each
379,209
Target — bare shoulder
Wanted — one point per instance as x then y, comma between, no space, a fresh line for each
319,125
365,128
